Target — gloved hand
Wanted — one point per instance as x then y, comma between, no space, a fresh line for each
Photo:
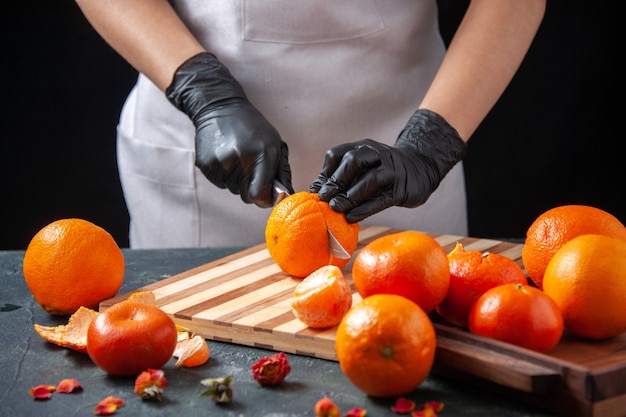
365,177
236,147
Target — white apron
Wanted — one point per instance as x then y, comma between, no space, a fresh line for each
323,72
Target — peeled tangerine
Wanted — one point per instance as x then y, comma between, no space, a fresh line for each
322,298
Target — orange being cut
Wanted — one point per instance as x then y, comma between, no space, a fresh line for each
296,234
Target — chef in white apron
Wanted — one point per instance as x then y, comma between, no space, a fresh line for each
322,73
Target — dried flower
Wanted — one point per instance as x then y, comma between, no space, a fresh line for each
108,406
149,384
220,389
403,406
325,407
69,385
42,392
271,370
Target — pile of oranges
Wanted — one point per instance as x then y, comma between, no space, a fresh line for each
572,275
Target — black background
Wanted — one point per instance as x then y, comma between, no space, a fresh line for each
554,138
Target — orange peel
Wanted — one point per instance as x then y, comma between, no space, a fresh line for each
72,335
191,351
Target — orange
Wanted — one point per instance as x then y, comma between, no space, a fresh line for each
296,234
587,279
72,263
385,345
411,264
518,314
471,274
556,226
321,299
129,338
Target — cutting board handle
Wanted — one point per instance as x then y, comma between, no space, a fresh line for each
513,367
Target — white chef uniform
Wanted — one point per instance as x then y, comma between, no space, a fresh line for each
323,72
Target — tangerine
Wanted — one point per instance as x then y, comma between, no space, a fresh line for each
519,314
322,298
409,263
471,274
296,234
385,345
554,227
586,278
129,338
72,263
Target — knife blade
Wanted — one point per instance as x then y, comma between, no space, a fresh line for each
334,247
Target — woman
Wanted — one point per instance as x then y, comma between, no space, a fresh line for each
237,94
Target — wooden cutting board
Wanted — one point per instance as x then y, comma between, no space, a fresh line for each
244,298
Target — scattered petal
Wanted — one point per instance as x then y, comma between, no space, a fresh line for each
108,406
271,370
42,392
436,406
325,407
426,412
72,335
403,406
429,409
149,384
220,389
191,352
356,412
69,385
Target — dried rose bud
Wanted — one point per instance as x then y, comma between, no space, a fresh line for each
271,370
149,384
403,406
108,406
325,407
69,385
42,392
220,389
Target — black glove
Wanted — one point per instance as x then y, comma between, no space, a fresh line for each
365,177
236,147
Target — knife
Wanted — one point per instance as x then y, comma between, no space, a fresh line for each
334,247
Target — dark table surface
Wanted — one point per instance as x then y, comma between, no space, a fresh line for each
26,360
